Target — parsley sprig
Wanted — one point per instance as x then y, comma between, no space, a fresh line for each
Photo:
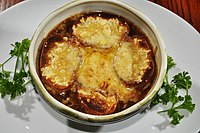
13,83
170,89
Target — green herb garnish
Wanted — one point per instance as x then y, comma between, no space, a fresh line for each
13,83
181,81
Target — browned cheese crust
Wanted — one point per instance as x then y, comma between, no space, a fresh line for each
59,62
97,65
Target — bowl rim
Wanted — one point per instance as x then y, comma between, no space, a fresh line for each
84,116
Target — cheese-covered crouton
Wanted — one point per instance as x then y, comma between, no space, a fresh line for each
132,60
99,32
62,61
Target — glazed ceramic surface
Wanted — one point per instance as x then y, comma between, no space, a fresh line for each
114,7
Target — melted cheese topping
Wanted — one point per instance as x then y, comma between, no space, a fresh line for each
98,103
131,61
100,32
64,60
94,68
97,75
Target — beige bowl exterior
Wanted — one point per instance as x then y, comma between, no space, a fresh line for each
115,7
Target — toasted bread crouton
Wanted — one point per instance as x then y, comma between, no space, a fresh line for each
99,32
132,60
62,60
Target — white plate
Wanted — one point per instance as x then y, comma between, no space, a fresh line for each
34,116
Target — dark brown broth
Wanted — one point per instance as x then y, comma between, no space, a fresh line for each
65,29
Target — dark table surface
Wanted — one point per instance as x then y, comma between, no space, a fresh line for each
187,9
